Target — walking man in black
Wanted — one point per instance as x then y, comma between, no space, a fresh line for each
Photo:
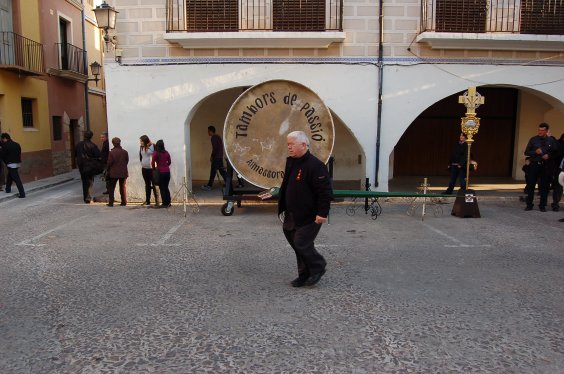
12,157
305,199
216,159
541,151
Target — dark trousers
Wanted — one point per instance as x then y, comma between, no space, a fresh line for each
87,183
14,176
557,190
302,239
217,165
457,173
538,173
149,186
164,180
122,190
3,173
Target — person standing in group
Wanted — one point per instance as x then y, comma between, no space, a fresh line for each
457,165
561,178
85,150
556,186
105,152
146,150
216,159
305,200
117,171
12,157
161,161
541,151
2,171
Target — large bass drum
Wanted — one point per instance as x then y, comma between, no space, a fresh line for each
259,121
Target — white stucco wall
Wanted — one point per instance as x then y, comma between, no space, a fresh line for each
157,100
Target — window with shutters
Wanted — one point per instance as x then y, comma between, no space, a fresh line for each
461,15
542,17
298,15
212,15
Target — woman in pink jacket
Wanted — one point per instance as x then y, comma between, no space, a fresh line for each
161,161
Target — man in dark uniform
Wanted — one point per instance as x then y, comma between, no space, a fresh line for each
457,165
12,157
216,159
86,150
541,151
305,200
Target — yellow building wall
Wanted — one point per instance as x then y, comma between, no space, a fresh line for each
12,89
29,16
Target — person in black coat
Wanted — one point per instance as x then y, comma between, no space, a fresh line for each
85,151
305,200
542,151
457,165
105,152
11,154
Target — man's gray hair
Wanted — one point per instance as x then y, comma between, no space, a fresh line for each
300,136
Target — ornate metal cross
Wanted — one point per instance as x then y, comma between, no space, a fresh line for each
471,100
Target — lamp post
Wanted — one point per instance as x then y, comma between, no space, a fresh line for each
106,20
466,204
95,69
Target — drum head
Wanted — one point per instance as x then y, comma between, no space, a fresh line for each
257,125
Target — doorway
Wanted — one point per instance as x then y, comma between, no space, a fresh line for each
425,147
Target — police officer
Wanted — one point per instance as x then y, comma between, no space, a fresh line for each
541,151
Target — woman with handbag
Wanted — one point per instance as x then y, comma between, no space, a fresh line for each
145,154
161,162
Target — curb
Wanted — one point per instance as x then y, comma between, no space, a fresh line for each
36,188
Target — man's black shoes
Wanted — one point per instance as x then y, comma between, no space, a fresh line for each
529,207
299,282
312,280
542,209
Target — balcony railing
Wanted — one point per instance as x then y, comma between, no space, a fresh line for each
71,58
544,17
254,15
21,53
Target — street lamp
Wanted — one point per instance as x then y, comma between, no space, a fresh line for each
106,20
95,69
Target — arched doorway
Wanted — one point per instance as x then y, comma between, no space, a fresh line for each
424,149
349,165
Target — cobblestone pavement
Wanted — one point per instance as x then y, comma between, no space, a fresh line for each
92,289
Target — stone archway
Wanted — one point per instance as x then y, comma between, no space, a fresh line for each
508,120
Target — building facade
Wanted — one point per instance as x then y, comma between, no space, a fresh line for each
392,93
46,98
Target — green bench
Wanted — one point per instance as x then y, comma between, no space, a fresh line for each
374,206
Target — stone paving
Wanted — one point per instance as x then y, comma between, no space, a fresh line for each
92,289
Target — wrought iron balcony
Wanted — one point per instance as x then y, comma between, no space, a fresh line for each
21,54
254,15
540,17
71,58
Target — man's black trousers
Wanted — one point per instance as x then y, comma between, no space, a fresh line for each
302,239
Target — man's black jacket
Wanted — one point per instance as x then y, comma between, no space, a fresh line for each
11,152
306,189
